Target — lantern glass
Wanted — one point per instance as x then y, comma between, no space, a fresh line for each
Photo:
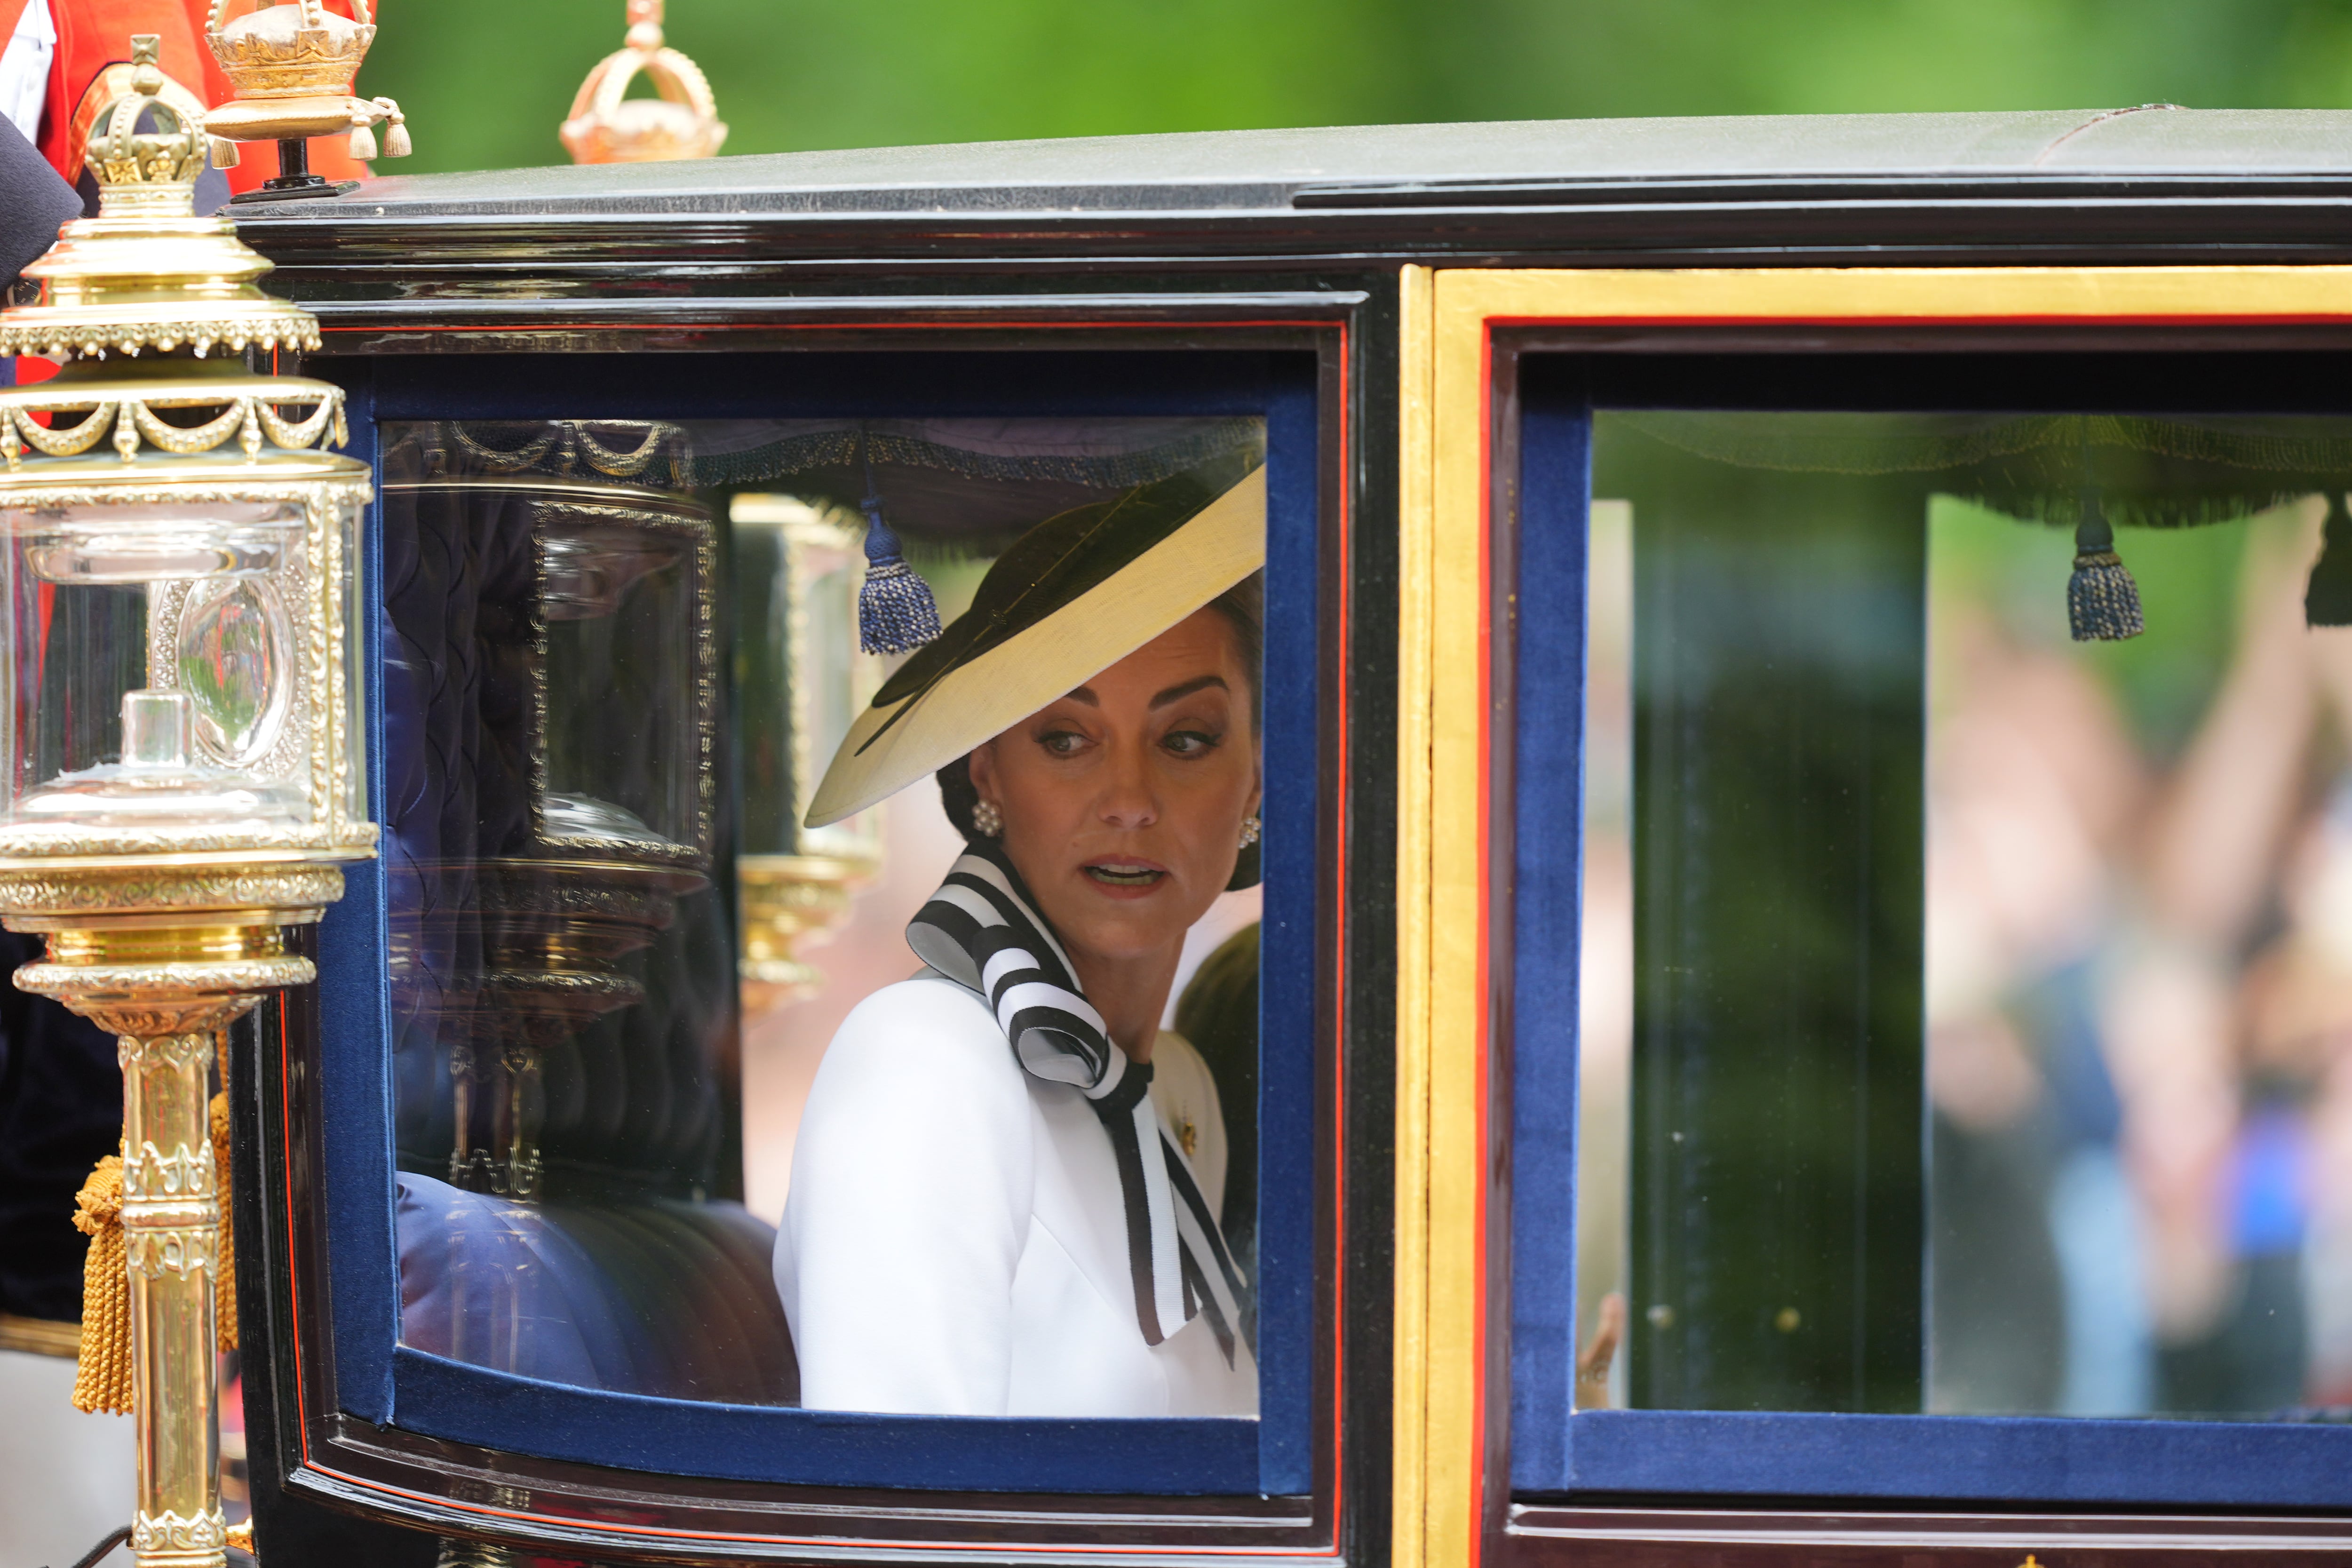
623,753
155,666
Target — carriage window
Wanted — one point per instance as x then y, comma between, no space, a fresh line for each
823,872
1967,916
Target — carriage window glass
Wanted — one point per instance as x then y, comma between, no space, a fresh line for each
1967,1022
822,884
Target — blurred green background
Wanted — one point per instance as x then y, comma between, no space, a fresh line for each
485,84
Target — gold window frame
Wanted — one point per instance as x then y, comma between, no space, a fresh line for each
1450,1388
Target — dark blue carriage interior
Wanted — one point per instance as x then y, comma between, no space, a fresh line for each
381,1380
1868,1448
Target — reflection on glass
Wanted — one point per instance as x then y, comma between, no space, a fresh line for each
1605,984
234,663
624,758
1985,999
800,677
798,568
560,987
620,656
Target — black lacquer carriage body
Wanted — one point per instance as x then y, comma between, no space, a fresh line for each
1472,353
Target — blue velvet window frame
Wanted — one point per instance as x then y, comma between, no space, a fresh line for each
1557,1451
382,1382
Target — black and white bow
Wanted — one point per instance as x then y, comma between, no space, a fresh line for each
981,930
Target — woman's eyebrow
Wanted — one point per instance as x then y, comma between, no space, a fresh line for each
1186,689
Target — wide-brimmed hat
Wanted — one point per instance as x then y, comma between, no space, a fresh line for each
1073,596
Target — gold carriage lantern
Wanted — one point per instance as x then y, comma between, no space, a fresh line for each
607,127
800,681
292,68
180,768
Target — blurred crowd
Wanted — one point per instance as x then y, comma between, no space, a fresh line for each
2140,1000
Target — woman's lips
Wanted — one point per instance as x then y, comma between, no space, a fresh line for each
1124,879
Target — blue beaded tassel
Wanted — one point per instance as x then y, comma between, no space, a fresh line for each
895,612
2102,600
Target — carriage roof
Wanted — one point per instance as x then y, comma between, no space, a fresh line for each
2054,154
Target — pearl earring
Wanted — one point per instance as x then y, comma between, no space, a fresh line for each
1249,831
987,819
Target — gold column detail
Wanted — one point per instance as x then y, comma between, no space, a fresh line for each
167,992
171,1242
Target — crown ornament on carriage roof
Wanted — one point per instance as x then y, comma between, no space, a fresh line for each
606,126
292,65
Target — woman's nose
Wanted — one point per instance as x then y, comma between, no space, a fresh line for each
1127,799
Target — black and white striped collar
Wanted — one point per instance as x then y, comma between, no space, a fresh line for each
983,931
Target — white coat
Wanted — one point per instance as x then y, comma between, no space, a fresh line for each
955,1244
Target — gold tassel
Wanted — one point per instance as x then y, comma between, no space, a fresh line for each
102,1372
224,1270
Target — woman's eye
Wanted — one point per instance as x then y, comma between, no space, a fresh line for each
1190,743
1062,742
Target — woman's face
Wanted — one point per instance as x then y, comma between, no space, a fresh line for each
1123,801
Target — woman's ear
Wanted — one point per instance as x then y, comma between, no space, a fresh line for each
983,769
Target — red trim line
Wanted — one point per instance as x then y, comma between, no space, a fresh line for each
1323,323
1769,318
1482,1041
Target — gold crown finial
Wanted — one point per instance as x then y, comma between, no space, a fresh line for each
154,169
146,63
606,126
292,65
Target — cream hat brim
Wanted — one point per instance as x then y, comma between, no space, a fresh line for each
982,698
